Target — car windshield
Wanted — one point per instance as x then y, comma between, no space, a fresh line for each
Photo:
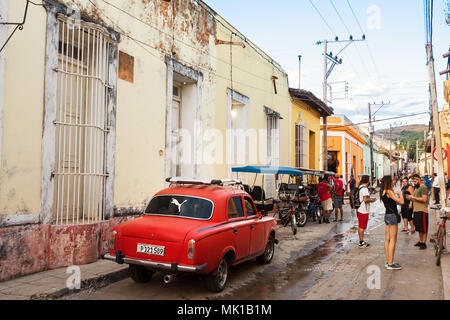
180,206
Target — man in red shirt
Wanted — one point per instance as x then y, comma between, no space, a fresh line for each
338,197
323,189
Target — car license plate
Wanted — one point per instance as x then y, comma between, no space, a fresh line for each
150,249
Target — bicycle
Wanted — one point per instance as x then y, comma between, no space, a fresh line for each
315,210
288,215
441,242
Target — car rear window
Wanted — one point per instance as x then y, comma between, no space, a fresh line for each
180,206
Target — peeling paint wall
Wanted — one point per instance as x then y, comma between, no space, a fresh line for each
20,166
33,248
181,30
159,37
249,71
151,31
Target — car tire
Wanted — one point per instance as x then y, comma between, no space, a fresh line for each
269,251
217,280
140,274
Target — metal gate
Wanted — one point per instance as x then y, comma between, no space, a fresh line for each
81,122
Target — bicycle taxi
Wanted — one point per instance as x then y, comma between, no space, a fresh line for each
292,201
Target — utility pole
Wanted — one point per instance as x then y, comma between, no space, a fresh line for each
436,124
371,131
372,169
417,156
428,7
390,149
325,122
425,151
326,73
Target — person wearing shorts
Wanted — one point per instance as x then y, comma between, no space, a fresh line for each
407,209
364,209
420,209
323,189
391,219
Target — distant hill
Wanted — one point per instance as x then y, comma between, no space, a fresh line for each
407,136
413,132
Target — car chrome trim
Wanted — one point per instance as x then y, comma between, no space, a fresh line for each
159,265
249,257
181,195
227,222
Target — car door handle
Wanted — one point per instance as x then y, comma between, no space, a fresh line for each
252,227
235,230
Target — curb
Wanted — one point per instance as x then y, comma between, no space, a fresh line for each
86,284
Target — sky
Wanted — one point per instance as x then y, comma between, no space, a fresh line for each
390,66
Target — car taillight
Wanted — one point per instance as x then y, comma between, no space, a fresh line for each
191,249
112,240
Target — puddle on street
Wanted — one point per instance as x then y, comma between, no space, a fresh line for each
304,269
290,281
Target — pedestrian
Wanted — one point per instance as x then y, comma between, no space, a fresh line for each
447,186
344,188
436,188
338,197
323,189
352,183
364,209
407,210
427,182
391,219
420,210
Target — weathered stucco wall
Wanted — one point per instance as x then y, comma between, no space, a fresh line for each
33,248
20,166
251,76
152,30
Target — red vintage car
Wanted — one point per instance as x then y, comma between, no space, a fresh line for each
198,227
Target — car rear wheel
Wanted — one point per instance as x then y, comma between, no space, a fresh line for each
140,274
267,256
217,280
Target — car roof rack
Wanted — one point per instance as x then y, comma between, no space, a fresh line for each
218,182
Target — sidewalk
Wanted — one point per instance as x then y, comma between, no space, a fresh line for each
51,284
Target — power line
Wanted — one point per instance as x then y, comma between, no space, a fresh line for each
340,17
323,19
362,30
366,122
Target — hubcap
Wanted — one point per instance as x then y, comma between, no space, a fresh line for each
269,250
222,273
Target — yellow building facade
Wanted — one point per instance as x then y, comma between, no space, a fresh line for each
345,147
252,106
100,102
306,110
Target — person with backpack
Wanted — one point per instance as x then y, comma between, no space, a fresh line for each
407,207
392,219
362,203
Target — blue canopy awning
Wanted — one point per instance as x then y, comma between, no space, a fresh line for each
269,170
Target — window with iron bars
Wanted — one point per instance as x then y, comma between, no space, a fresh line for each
301,155
81,122
273,140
